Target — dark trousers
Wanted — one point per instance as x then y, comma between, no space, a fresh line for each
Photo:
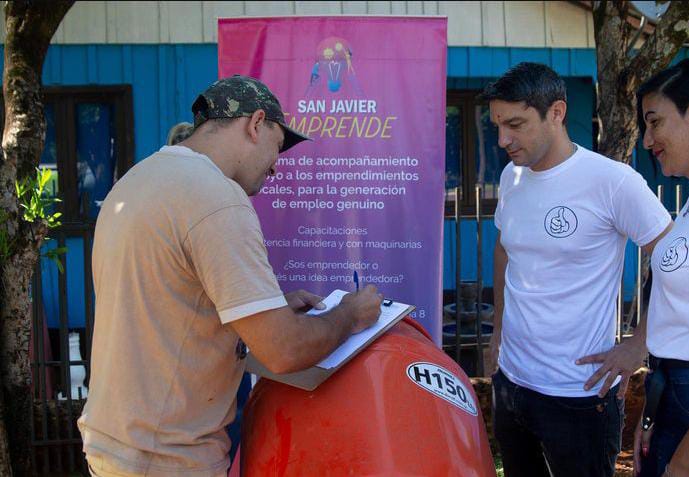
671,424
542,435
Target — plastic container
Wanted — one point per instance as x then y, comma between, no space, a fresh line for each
401,407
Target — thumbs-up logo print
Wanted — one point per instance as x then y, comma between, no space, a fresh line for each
560,222
675,255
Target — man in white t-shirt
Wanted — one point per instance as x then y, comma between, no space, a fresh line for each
182,281
564,216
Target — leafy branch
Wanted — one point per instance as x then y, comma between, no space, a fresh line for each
37,203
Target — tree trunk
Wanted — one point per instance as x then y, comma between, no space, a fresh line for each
621,69
5,464
16,330
30,25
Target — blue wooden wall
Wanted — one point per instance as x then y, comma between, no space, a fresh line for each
476,62
166,78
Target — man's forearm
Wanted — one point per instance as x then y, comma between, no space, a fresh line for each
640,330
285,341
499,267
305,340
498,305
319,336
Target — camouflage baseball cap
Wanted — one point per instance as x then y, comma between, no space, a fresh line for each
239,96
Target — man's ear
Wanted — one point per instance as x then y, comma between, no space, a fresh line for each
559,111
255,122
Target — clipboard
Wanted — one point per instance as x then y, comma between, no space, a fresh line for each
309,379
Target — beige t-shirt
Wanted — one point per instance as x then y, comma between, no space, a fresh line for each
178,253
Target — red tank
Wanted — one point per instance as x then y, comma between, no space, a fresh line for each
401,407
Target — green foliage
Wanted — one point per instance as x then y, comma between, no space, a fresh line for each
35,201
54,255
497,459
37,205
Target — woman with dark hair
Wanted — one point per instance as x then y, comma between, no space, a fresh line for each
664,123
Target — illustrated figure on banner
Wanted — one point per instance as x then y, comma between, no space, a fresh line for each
334,61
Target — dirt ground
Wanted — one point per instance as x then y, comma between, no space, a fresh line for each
625,464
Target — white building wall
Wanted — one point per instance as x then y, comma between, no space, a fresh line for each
488,23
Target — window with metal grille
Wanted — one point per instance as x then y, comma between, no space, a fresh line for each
473,157
89,145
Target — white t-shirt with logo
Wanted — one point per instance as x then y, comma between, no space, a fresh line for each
668,313
565,231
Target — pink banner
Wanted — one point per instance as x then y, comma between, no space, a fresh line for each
367,194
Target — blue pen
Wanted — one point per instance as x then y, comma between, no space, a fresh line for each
356,280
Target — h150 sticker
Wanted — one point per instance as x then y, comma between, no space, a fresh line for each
441,382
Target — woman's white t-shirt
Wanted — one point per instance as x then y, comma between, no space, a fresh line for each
668,312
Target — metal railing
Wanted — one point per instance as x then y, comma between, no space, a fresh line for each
478,344
56,442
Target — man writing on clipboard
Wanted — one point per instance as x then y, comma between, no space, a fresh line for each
182,280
